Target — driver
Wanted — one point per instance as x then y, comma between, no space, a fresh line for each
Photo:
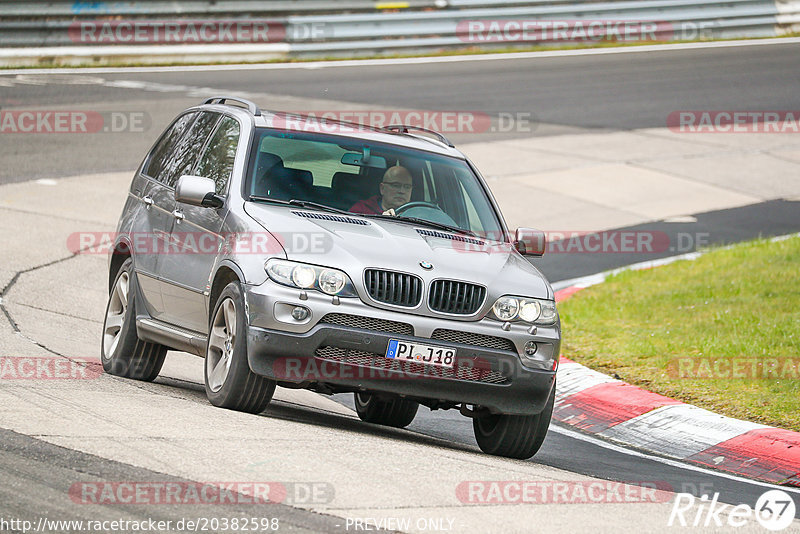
395,191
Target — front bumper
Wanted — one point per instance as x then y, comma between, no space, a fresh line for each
350,355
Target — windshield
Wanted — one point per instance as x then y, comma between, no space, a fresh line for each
371,179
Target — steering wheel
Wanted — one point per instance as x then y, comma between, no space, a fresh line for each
425,210
417,204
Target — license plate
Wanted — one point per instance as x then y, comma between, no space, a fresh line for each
415,352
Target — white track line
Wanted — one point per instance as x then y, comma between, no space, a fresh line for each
672,463
597,278
417,60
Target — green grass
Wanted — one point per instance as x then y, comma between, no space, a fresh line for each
734,305
45,63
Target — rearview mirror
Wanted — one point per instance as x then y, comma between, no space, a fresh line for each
197,191
364,160
530,242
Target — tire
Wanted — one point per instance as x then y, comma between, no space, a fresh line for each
121,351
395,412
514,436
229,381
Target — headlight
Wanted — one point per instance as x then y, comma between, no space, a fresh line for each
529,310
549,313
331,282
303,276
506,308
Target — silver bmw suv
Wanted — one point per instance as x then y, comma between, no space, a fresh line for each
289,251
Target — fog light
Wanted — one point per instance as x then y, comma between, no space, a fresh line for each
300,313
530,348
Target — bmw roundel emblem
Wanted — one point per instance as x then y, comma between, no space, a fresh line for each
425,265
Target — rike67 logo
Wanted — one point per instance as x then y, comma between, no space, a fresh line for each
774,510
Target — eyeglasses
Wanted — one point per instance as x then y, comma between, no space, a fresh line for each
397,186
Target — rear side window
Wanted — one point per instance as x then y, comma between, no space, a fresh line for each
217,162
158,157
187,151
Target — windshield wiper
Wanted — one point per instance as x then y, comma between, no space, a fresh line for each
417,220
268,199
323,207
441,226
301,204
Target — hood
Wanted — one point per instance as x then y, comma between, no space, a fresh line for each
354,243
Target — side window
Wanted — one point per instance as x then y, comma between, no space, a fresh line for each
187,150
475,222
451,196
158,157
217,161
430,183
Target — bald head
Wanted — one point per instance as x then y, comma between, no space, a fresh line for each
397,171
395,187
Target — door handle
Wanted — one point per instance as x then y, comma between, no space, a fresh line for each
178,214
147,201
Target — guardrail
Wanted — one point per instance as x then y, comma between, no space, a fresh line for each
150,8
314,28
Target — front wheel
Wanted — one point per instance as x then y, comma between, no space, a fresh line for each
122,352
229,381
395,412
513,436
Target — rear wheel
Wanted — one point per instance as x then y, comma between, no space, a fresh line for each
513,436
122,352
229,381
394,412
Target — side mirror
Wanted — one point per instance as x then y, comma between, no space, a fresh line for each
197,191
530,242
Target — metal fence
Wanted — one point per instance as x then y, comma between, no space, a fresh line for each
313,28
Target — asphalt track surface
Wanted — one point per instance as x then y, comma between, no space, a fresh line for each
37,474
603,92
563,94
715,228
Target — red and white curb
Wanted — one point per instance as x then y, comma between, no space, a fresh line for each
614,410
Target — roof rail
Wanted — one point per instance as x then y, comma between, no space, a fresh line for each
404,128
251,107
